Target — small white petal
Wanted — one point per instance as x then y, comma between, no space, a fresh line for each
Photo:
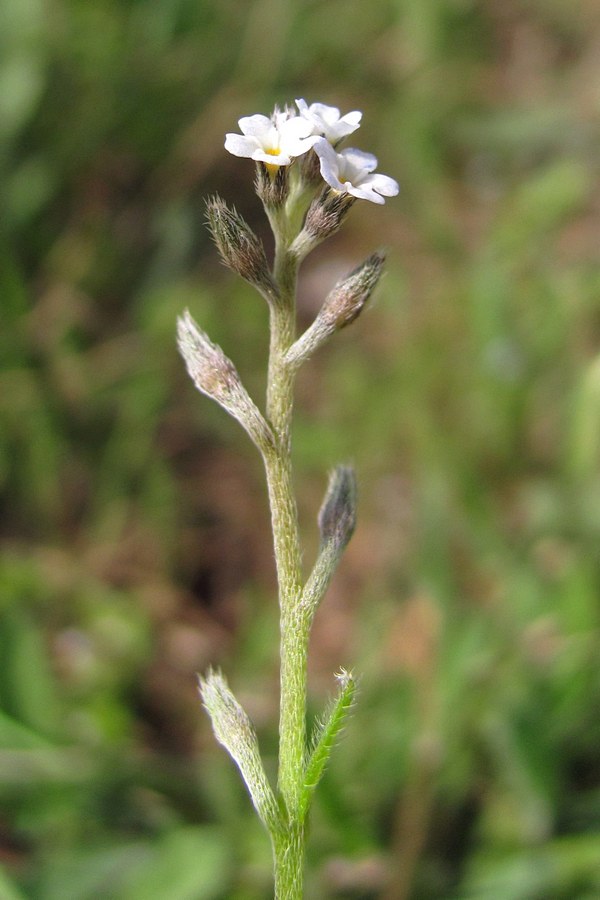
364,192
385,185
352,118
326,120
359,159
239,145
327,113
256,125
329,163
299,147
271,159
325,151
295,128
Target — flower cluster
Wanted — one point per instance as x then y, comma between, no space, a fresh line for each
278,140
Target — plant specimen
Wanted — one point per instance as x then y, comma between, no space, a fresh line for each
307,186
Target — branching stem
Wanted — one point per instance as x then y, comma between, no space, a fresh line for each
296,230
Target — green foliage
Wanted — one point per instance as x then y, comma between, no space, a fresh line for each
325,734
135,547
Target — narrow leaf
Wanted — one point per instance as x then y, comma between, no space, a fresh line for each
324,737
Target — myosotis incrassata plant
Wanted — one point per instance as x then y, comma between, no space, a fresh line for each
307,186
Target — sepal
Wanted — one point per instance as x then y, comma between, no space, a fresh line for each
272,185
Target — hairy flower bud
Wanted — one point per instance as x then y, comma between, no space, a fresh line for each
240,249
337,516
323,218
337,520
341,307
215,375
347,299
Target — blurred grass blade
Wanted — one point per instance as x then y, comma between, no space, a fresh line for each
7,889
584,443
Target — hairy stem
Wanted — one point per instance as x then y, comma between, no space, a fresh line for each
292,725
289,864
289,847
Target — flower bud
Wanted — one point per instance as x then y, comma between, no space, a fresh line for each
337,516
345,302
337,520
240,249
214,374
341,307
323,218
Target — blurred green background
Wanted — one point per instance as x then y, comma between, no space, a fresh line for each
135,536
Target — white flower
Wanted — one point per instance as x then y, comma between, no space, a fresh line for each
274,141
352,172
327,121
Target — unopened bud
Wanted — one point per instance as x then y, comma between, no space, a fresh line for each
341,307
337,516
272,184
323,218
215,375
240,249
337,520
347,299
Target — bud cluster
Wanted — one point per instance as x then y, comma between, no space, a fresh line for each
234,730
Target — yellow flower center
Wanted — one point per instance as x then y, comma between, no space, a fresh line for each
271,167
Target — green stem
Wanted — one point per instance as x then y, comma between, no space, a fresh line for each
289,846
292,725
289,864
